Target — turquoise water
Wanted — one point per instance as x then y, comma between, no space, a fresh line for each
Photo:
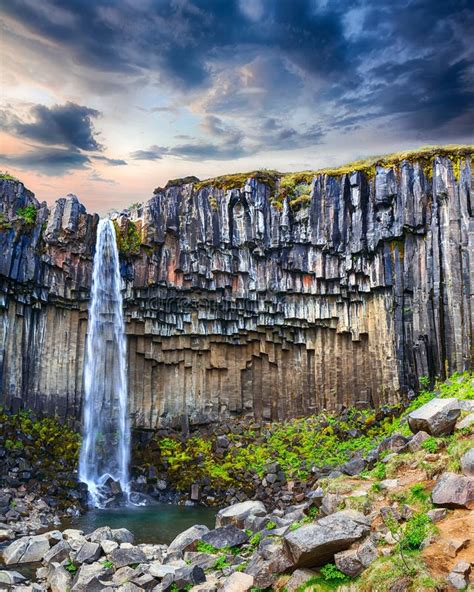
158,523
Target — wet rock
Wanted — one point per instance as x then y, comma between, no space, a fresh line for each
315,544
226,536
437,417
187,540
453,491
26,550
237,513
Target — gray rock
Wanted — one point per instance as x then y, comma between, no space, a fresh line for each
453,491
158,570
349,562
437,417
122,535
416,442
465,422
189,575
108,546
90,578
121,557
187,540
238,582
330,503
467,463
9,578
367,552
437,514
298,578
88,553
59,579
104,533
353,467
237,513
58,553
26,550
316,544
227,536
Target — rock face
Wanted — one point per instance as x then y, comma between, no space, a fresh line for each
228,293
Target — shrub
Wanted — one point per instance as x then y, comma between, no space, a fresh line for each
430,444
331,573
27,214
416,531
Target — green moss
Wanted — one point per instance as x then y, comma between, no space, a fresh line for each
5,224
128,238
27,214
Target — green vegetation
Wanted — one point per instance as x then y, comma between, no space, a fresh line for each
27,214
107,563
331,573
297,186
128,238
430,444
203,547
71,567
5,224
296,445
5,176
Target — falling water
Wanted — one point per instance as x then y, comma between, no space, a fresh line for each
105,450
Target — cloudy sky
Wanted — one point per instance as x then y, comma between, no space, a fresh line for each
108,99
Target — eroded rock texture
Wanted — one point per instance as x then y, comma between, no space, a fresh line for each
234,306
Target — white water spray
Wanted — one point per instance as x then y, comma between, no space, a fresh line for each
105,450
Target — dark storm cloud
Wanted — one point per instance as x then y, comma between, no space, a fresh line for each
345,64
62,125
49,161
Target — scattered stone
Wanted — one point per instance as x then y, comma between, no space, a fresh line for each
239,582
189,575
467,463
388,484
227,536
453,491
437,417
315,544
237,513
122,535
416,442
187,540
465,422
459,575
349,562
108,546
298,578
437,514
455,545
353,467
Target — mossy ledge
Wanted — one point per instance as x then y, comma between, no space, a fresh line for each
296,186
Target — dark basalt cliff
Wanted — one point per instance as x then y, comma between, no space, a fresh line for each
238,306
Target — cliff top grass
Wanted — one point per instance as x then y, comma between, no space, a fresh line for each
5,176
296,186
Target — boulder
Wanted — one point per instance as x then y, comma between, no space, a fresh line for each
26,550
415,443
298,578
237,513
121,557
101,534
453,491
227,536
330,503
238,582
89,578
437,417
58,553
467,463
190,575
316,544
353,467
465,422
122,535
187,540
88,553
10,578
59,579
349,562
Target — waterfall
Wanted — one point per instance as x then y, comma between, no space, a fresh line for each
105,450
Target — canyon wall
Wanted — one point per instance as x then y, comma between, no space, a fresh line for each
237,305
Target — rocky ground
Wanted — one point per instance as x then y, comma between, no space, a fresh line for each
398,517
